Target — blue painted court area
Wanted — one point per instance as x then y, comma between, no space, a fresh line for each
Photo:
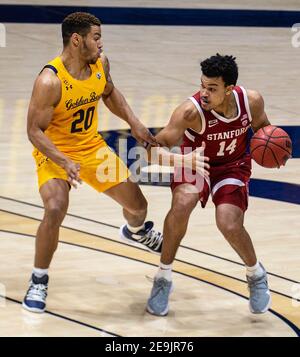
153,16
274,190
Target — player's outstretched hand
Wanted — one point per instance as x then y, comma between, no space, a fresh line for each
198,161
142,134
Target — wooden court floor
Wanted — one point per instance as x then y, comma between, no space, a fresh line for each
99,285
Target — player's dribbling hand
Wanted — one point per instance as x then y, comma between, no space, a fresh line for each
72,170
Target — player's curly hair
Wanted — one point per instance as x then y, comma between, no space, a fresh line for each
221,66
79,22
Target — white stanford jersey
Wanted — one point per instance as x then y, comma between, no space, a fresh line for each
225,139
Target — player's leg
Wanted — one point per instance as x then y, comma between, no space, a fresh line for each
129,195
103,170
55,196
230,222
184,200
136,231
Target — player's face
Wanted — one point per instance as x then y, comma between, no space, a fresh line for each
212,91
92,45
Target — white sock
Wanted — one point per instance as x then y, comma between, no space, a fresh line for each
254,270
135,229
39,273
164,271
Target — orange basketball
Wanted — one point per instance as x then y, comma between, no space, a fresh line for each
271,147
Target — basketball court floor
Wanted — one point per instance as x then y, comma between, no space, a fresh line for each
99,285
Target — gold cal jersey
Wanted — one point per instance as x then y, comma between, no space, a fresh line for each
74,125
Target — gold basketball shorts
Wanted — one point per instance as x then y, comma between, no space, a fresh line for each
100,168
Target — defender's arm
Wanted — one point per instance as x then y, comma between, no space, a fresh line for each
117,104
45,96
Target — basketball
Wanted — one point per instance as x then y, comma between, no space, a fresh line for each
271,147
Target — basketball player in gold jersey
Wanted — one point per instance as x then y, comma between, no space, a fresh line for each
62,126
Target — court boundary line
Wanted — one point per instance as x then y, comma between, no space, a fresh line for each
113,226
65,318
178,260
144,250
283,318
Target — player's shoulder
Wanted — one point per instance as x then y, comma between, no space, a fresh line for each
48,79
254,96
47,87
256,101
187,110
105,62
103,58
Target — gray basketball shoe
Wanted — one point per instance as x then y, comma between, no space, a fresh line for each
158,302
260,297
